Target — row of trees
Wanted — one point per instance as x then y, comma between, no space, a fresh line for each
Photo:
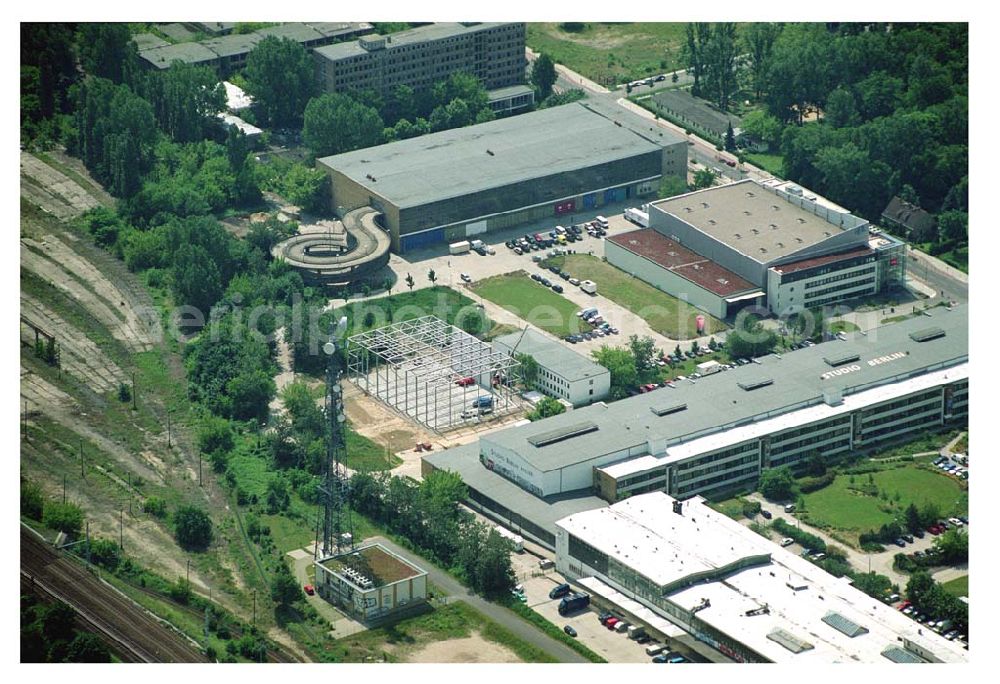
428,515
930,598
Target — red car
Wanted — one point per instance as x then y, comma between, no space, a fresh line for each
903,606
465,382
935,529
610,624
308,588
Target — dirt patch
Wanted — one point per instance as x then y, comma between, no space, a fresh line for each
52,190
378,422
473,649
600,41
78,355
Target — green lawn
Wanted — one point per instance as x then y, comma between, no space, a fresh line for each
772,163
612,53
958,586
840,507
529,300
366,455
447,304
453,621
665,314
843,326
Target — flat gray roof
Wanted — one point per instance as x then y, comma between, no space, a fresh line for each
189,53
295,31
552,354
509,91
463,161
147,41
421,34
749,218
334,28
717,402
544,512
639,125
233,44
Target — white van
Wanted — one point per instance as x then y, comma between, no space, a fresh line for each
655,649
560,230
601,221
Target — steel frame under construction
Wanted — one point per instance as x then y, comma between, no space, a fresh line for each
414,366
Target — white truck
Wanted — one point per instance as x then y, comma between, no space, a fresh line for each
637,216
516,539
589,286
636,631
709,367
478,243
459,247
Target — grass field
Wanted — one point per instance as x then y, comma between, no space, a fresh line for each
445,303
536,304
772,163
840,507
453,621
365,455
611,53
665,314
958,586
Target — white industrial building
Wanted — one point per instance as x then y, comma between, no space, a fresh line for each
562,373
770,242
715,436
371,582
733,589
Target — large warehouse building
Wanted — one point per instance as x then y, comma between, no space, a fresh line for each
715,436
458,183
735,590
423,56
725,247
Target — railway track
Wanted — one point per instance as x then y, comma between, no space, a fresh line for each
137,634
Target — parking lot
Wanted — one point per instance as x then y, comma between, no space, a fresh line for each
449,268
612,646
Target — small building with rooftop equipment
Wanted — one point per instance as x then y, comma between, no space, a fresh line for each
371,583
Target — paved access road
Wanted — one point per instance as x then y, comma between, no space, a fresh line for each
496,613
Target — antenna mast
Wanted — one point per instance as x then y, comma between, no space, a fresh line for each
334,487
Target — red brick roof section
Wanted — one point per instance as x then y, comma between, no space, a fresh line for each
689,265
802,265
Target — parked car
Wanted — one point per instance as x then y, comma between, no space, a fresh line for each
899,542
660,659
569,630
611,622
766,513
787,541
559,591
466,277
908,538
604,617
308,588
557,288
465,382
956,522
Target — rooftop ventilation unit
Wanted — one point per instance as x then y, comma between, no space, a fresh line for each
844,625
837,361
789,640
755,384
553,436
927,334
666,410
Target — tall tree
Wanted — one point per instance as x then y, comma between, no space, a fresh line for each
48,48
720,63
621,365
543,75
280,78
840,109
107,51
643,351
695,53
759,38
185,99
336,123
192,528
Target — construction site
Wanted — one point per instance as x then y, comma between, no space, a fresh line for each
433,372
